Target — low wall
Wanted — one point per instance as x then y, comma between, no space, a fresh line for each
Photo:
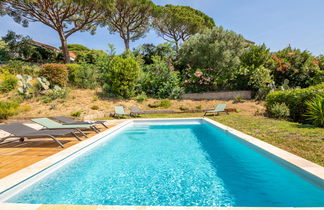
222,95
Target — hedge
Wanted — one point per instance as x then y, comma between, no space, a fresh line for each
296,100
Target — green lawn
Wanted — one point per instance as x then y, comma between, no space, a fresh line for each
303,140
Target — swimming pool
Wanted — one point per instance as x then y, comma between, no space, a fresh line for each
173,163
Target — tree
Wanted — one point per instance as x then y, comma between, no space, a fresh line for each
177,23
19,46
149,51
211,59
130,18
65,17
77,48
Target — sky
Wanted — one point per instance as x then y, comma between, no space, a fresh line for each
277,23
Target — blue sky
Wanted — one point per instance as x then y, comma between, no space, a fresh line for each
276,23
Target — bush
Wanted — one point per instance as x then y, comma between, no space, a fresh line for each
122,76
57,74
300,67
183,108
199,107
279,111
315,111
83,76
19,67
73,70
76,114
254,72
8,109
95,107
54,94
8,82
215,53
142,97
295,99
159,81
156,104
165,103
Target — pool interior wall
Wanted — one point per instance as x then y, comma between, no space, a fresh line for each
174,163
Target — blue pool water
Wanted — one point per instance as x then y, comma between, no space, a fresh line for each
174,165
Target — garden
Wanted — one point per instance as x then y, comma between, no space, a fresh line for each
287,85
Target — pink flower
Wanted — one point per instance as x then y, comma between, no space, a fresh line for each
198,74
186,81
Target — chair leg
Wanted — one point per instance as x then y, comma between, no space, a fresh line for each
76,136
57,141
85,135
104,125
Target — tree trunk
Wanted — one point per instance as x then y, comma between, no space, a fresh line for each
177,45
65,50
126,41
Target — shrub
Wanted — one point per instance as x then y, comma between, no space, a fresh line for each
199,107
25,108
95,98
54,94
8,109
8,82
76,114
19,67
183,108
95,107
279,111
156,104
142,97
315,111
72,72
83,76
295,99
165,103
216,53
254,72
160,81
238,99
57,74
122,76
300,67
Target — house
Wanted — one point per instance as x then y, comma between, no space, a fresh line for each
73,55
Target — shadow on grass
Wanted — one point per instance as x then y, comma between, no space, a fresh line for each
308,126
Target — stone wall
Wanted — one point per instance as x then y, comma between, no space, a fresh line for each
222,95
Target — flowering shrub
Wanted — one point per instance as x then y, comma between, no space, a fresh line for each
301,68
199,81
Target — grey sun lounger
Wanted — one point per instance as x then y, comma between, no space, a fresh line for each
52,125
135,111
21,131
69,121
119,111
219,108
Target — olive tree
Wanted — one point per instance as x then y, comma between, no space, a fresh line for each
210,59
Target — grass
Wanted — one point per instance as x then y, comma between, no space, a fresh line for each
303,140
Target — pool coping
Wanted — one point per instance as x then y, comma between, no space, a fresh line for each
23,174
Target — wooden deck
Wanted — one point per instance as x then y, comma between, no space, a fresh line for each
15,155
